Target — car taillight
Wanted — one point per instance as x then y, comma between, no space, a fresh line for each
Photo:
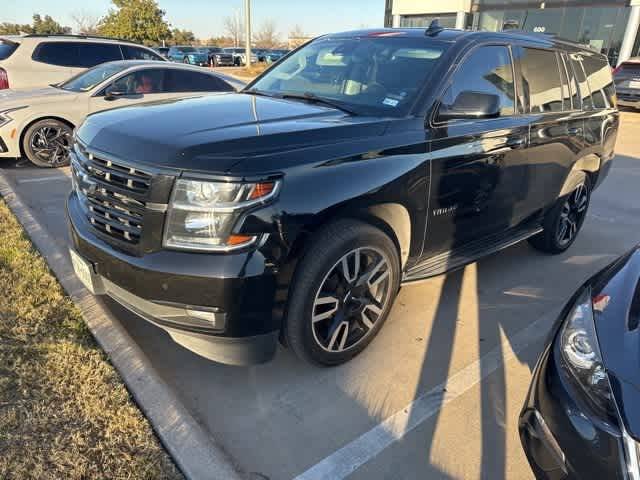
4,79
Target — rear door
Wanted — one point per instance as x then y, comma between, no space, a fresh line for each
556,124
479,167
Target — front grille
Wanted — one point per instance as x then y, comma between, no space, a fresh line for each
111,195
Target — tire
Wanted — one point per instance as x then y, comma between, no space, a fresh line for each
573,207
47,142
363,303
186,60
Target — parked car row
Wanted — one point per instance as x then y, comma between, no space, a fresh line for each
39,111
219,57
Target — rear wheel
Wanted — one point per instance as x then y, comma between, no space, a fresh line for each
564,220
47,143
342,292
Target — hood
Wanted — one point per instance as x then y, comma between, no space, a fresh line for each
618,328
213,133
18,98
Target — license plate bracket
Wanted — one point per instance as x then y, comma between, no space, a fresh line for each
85,273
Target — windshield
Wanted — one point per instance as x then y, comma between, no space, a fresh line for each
87,80
375,75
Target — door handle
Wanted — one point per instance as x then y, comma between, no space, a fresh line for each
575,131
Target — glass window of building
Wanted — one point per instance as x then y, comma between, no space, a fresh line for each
446,20
486,70
541,80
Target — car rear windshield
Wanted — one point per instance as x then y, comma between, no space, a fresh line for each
368,75
91,78
6,49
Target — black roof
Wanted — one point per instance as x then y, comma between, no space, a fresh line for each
454,35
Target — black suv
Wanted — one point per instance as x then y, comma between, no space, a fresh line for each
295,209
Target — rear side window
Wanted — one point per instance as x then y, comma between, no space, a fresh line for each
573,84
64,54
136,53
585,93
541,80
600,82
486,70
6,49
76,54
92,54
181,81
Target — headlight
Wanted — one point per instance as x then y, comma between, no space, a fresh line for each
4,115
579,349
202,214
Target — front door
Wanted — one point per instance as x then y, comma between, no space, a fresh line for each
479,166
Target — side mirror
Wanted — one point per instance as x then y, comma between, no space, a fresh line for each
471,105
112,93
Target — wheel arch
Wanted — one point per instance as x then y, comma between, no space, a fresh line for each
588,165
32,121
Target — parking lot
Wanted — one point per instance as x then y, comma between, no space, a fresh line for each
437,394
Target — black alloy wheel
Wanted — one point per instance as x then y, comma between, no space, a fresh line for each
342,292
47,143
564,221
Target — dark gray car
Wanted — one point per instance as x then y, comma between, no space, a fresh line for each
627,79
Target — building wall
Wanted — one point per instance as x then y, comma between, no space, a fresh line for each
418,7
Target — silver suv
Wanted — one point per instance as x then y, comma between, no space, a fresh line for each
31,61
627,78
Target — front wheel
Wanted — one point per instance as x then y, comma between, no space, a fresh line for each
343,290
47,143
186,60
564,220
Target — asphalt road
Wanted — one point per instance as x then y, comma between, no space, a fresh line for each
436,395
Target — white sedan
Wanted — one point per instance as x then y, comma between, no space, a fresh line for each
39,123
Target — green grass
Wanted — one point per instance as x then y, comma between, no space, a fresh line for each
64,411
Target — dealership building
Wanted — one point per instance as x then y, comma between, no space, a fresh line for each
609,26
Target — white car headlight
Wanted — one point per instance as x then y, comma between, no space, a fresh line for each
5,117
202,214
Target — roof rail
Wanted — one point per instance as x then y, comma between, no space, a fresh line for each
71,35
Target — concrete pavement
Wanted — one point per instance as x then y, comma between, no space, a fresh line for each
436,395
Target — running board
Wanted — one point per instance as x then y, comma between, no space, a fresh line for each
453,259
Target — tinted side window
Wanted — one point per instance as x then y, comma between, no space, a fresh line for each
486,70
541,80
573,85
181,81
585,93
141,82
64,54
600,82
6,49
566,94
137,53
92,54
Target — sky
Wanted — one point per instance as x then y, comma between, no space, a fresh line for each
205,17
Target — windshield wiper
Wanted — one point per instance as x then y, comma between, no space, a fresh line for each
312,97
254,91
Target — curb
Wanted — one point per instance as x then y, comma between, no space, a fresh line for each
192,448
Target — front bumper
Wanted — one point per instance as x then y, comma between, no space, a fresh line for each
9,146
561,438
237,290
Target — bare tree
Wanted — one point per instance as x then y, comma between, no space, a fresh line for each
297,32
234,28
85,23
267,36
